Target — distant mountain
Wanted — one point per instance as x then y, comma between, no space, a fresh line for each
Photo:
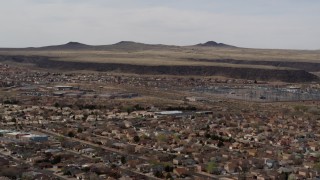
121,46
130,45
68,46
214,44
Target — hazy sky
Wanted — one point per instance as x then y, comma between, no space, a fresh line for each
286,24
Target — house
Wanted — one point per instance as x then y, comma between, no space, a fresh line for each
35,175
125,178
3,162
130,148
200,167
80,176
263,177
252,152
287,156
304,173
88,151
181,172
44,165
4,178
314,146
257,163
177,160
144,168
194,99
127,124
35,138
132,163
231,167
64,88
271,163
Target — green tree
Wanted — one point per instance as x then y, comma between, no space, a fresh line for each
211,167
168,176
317,167
71,134
292,177
136,139
80,130
56,104
220,144
162,137
168,168
123,159
158,174
300,108
56,160
60,138
207,135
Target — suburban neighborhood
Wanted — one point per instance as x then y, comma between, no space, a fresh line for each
81,126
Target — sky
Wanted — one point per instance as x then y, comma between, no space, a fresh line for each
272,24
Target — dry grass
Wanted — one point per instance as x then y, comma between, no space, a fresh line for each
179,56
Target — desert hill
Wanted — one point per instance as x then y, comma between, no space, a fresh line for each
215,44
207,59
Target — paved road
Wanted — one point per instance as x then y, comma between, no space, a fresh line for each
51,172
123,168
105,148
91,144
202,175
